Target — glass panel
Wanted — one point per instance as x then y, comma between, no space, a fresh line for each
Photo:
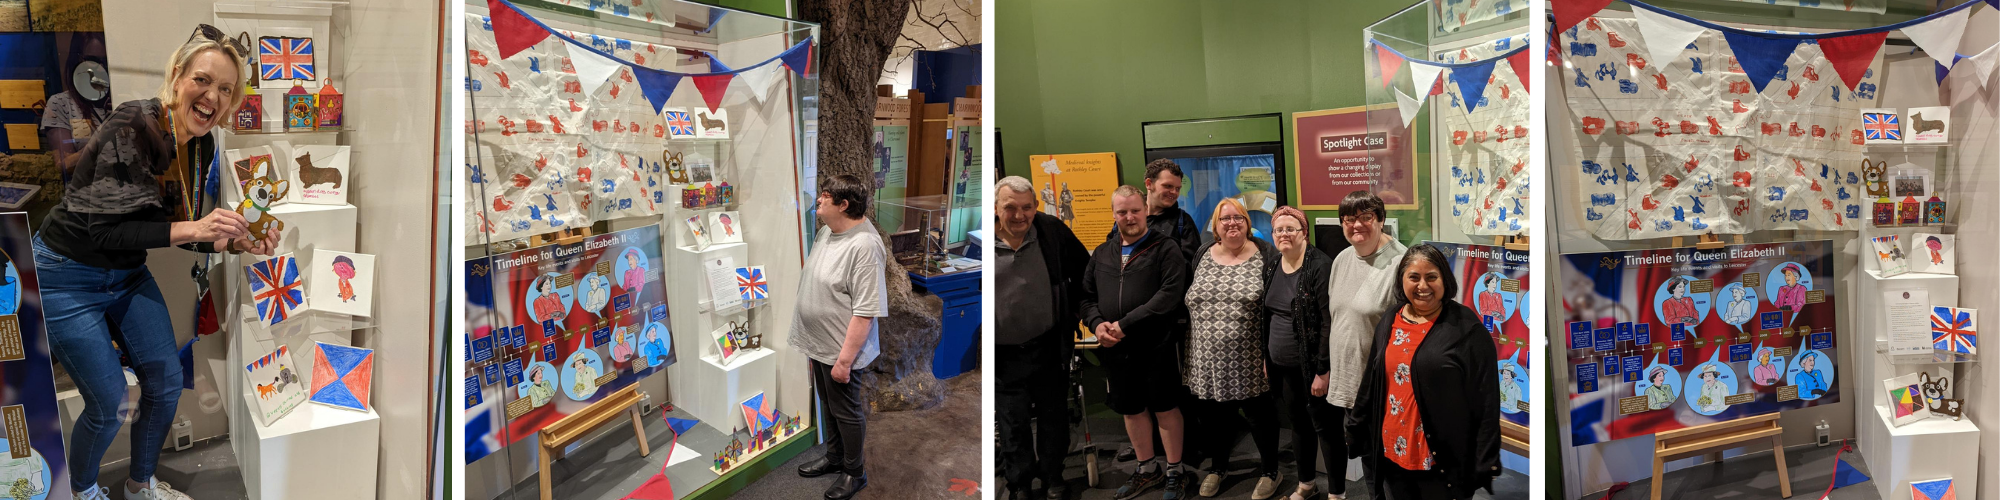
1249,179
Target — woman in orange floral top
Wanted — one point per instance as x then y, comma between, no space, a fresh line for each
1424,421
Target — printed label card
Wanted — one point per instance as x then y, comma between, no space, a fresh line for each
1928,125
320,173
722,291
341,282
1934,253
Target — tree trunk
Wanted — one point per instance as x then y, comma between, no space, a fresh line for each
855,39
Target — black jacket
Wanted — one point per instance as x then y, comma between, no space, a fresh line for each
1458,387
1309,309
1144,296
1177,225
1067,260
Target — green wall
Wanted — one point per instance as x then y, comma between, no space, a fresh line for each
1080,77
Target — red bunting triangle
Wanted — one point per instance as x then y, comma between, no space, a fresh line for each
1437,87
1520,63
1570,12
712,87
512,30
1851,54
1389,62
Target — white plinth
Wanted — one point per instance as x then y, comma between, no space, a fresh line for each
1932,448
312,453
1869,367
712,391
308,227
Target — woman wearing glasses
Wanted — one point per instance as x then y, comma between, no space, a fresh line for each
1361,288
1295,354
145,179
1225,358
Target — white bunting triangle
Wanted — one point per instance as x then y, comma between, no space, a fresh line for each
1665,36
1424,76
759,79
592,70
1939,37
1409,106
1984,62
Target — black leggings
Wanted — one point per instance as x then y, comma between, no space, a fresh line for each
1219,420
1316,425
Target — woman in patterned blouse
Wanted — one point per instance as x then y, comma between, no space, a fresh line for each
1225,356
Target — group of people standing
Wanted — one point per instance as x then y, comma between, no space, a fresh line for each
1365,352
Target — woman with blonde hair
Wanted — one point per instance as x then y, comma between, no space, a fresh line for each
1225,353
147,178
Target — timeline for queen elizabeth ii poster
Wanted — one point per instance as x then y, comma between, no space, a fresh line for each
31,450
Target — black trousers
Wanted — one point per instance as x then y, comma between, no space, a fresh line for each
846,424
1032,392
1400,484
1316,425
1219,421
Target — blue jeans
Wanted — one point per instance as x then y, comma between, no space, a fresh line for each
88,310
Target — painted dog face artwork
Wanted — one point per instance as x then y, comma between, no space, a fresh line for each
258,193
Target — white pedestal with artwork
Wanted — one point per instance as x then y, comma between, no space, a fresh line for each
310,227
1932,448
315,452
702,384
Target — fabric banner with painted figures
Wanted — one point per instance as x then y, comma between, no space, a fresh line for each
1453,15
1689,145
1487,147
555,153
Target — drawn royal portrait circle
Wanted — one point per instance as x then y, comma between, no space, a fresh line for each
10,285
26,478
1812,371
656,344
593,291
1786,285
1490,300
546,299
1676,302
538,383
624,344
1709,386
1737,303
631,270
1513,386
1767,367
1665,378
580,372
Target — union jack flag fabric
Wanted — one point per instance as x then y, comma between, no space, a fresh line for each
1952,329
1881,127
281,58
750,283
680,123
274,286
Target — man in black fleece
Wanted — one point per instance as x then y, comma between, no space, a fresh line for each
1133,300
1038,269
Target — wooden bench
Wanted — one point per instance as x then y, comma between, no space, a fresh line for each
560,434
1719,436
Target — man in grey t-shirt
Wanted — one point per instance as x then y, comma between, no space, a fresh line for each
841,293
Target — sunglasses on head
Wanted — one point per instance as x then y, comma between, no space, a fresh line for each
213,33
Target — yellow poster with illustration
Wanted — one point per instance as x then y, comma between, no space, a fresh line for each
1077,189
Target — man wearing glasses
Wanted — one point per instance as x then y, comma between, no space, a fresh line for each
1359,292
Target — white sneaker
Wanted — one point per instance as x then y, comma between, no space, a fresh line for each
98,493
156,490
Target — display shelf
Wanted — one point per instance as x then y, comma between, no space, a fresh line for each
711,390
314,452
1936,357
1926,449
266,130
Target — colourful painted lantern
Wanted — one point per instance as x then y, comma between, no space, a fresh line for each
329,105
1934,211
1910,212
299,111
250,117
1885,212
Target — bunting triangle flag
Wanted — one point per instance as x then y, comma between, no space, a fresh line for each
712,87
681,425
1993,3
1945,69
1425,76
715,64
1939,37
1983,63
1664,35
1849,54
759,79
512,30
1520,63
657,85
1761,57
1570,12
1471,82
1389,63
592,69
1407,105
1845,474
799,58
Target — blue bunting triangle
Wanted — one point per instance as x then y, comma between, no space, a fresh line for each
1471,82
681,425
1844,474
187,363
715,64
1760,57
1943,71
657,85
799,57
